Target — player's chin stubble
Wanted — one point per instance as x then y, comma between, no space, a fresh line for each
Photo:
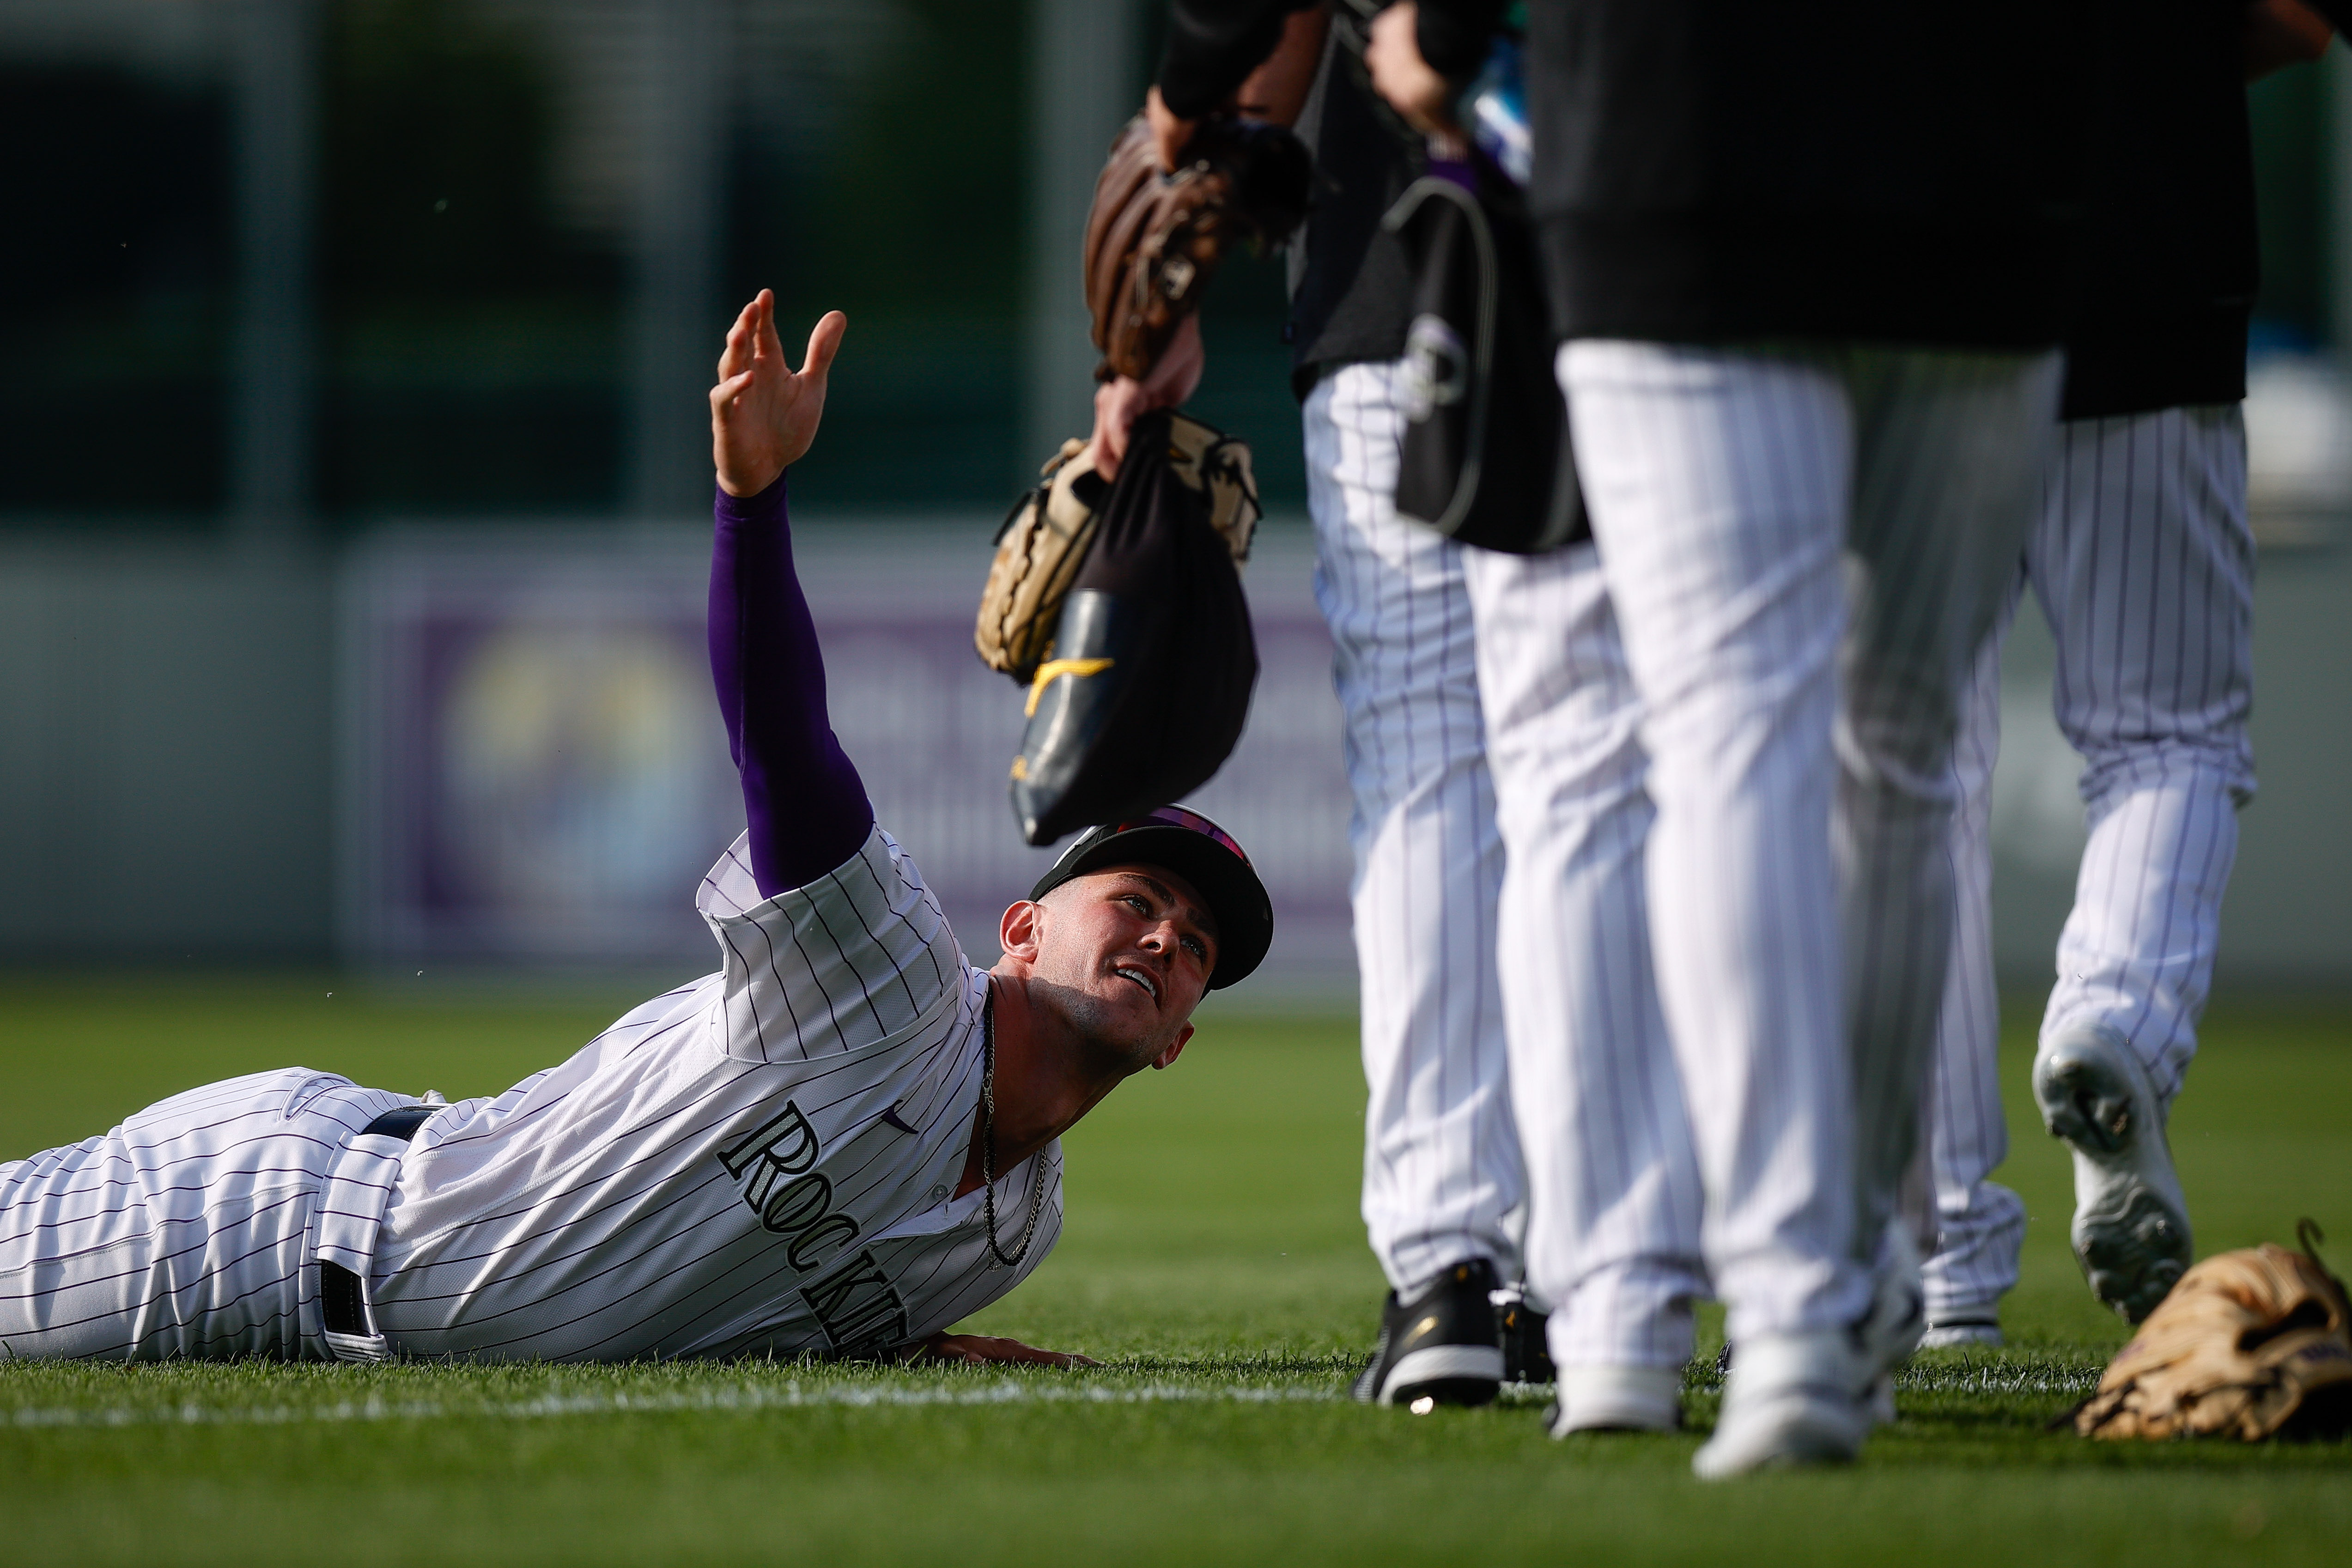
1106,1028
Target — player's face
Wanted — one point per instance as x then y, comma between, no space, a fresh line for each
1134,946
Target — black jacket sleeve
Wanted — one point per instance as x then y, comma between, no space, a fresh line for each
1213,45
1455,35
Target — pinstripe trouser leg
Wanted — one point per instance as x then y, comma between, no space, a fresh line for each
1799,727
1612,1182
2143,564
1979,1224
1441,1166
182,1232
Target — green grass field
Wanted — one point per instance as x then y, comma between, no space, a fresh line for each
1214,1259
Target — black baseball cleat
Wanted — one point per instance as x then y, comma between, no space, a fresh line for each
1440,1348
1526,1359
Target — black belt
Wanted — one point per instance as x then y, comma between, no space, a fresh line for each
343,1308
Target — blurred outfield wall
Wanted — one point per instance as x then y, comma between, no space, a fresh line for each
170,788
532,770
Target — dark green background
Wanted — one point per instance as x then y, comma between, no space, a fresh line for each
471,347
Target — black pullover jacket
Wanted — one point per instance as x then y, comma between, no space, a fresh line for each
1709,171
2132,232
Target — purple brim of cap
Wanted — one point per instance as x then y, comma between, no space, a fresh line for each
1201,852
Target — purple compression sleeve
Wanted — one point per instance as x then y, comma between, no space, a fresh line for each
804,803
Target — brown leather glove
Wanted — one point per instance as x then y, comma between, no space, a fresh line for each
2248,1343
1154,239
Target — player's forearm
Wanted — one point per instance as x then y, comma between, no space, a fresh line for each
803,801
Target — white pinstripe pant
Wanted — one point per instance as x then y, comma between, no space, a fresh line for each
1804,547
1613,1192
1613,1187
1442,1170
2143,565
189,1230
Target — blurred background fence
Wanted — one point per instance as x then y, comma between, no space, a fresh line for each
352,460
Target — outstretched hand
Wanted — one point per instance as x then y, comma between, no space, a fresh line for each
763,415
981,1350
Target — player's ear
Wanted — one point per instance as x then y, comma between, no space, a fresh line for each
1022,931
1168,1058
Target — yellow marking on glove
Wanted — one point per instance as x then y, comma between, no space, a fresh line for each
1054,670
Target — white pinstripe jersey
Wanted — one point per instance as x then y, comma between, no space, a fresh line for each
759,1161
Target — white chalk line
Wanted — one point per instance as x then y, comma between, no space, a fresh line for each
551,1407
1980,1378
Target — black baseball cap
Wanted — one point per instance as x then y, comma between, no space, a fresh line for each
1201,852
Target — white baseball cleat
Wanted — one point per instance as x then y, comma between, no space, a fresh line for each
1962,1333
1792,1399
2131,1224
1617,1399
1811,1398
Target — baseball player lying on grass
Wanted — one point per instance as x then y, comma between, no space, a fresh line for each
841,1142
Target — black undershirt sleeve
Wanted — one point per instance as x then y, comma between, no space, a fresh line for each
1455,35
1213,45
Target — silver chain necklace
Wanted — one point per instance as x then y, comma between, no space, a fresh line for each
988,1143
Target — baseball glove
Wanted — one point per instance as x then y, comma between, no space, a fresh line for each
1205,460
1145,686
1051,527
1154,240
2247,1344
1039,550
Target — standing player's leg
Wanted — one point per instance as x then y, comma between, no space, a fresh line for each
1441,1158
2146,571
1718,483
1980,1225
1612,1181
1952,447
